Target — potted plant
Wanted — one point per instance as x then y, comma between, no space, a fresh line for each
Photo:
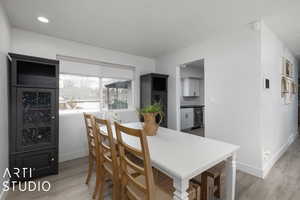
149,113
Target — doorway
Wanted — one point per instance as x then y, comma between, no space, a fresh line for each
190,98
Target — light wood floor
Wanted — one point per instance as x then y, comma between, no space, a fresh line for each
283,182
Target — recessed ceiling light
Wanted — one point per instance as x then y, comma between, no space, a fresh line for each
43,20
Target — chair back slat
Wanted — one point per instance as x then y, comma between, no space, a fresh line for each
132,196
90,130
139,185
129,183
107,147
134,166
107,158
132,150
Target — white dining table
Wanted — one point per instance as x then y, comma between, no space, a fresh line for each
183,156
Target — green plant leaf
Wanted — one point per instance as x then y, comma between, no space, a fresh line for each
154,108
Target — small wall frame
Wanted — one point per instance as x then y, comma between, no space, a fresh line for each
287,68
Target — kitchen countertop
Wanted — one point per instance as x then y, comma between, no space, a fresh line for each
191,106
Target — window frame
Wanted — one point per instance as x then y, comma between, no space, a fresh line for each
130,106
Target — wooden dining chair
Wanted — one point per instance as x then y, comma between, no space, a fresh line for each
141,187
108,161
138,185
90,137
137,180
93,146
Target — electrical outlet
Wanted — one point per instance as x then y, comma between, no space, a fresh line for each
266,155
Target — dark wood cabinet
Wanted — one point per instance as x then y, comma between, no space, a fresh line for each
41,163
33,97
154,89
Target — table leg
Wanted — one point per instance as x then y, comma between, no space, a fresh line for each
181,186
230,177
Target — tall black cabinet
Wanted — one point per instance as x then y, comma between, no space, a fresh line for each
33,115
154,89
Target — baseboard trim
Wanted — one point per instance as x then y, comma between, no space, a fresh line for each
72,156
268,166
3,195
262,173
249,169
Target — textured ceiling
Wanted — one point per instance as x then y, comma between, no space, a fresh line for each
147,28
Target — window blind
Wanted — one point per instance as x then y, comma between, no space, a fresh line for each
100,70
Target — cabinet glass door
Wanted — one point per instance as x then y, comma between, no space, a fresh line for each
36,118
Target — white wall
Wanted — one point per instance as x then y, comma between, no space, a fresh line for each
72,131
34,44
72,138
30,43
279,123
238,108
232,90
4,48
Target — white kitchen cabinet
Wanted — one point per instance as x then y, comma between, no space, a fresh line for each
190,87
187,118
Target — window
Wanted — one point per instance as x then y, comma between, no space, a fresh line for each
117,93
79,92
94,93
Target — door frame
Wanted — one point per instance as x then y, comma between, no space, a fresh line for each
179,89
